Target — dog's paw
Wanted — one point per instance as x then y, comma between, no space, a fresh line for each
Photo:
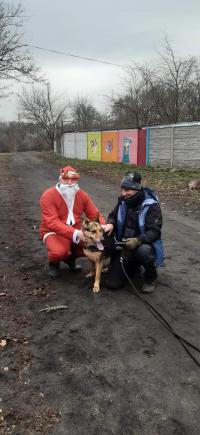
90,275
96,289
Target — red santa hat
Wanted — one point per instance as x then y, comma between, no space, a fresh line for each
69,172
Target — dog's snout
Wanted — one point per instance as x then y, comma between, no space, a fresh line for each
101,236
100,239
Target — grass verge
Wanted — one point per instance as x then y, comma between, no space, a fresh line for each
158,178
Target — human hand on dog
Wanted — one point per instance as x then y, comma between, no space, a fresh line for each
108,228
132,243
81,237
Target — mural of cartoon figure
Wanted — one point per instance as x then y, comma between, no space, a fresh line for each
126,143
109,146
94,146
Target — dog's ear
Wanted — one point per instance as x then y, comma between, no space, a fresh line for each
97,219
85,221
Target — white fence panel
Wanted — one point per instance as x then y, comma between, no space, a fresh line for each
69,145
81,146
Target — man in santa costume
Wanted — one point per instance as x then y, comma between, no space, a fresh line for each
62,208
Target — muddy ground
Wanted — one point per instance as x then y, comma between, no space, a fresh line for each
104,365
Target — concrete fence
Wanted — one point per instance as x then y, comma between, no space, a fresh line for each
173,146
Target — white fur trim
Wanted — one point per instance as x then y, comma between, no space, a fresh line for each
75,234
71,173
46,235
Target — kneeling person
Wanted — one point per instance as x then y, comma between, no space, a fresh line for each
62,208
137,220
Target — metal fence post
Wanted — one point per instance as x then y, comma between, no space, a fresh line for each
172,149
147,145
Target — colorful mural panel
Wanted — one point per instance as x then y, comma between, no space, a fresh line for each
109,151
94,145
128,146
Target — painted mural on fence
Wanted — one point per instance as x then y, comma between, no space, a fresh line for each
109,152
94,145
128,145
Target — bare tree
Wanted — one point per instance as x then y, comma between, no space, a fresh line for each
174,74
165,92
84,114
45,111
192,96
15,60
133,109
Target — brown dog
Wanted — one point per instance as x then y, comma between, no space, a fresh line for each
194,185
93,249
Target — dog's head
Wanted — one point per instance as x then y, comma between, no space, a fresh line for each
94,232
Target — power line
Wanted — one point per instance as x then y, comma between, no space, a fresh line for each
75,55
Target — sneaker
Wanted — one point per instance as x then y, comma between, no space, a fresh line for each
148,287
54,271
71,262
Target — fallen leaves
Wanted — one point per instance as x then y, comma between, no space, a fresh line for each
3,343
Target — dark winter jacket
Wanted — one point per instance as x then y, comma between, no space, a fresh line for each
153,219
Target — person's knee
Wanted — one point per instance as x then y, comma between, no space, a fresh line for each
145,254
58,254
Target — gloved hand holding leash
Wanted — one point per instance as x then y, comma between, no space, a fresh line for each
132,243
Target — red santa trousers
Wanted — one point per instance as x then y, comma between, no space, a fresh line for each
59,248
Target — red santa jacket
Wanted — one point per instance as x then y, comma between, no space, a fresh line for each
54,213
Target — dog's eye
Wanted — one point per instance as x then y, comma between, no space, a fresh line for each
93,231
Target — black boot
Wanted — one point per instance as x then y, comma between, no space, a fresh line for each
71,262
54,271
150,278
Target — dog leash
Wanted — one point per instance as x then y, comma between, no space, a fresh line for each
185,343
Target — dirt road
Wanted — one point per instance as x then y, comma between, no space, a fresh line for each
104,365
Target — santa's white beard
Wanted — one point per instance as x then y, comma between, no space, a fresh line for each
68,192
68,187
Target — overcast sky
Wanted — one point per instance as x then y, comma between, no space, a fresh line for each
117,32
